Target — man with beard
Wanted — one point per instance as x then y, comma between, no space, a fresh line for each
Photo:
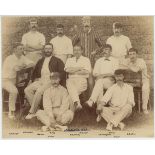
121,100
62,45
41,78
56,104
119,42
33,42
136,64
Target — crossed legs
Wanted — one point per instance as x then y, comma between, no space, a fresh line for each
115,115
66,118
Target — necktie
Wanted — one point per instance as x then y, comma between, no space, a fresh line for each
107,59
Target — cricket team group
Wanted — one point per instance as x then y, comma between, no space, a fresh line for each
64,68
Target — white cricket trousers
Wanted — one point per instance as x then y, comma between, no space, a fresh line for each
145,93
9,86
34,93
75,87
66,117
100,85
115,114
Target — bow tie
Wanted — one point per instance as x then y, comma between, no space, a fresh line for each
107,59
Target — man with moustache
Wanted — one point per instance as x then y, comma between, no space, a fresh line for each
56,103
136,64
41,78
33,42
88,38
119,42
62,45
121,101
13,63
104,73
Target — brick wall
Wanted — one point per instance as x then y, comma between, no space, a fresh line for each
138,29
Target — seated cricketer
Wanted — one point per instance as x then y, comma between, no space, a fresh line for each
41,78
78,69
56,104
138,64
120,98
104,73
13,63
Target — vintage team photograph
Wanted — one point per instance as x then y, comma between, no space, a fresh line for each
77,76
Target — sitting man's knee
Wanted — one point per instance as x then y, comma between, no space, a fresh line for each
48,123
99,81
39,112
14,92
26,90
67,117
39,92
68,82
41,116
128,108
104,109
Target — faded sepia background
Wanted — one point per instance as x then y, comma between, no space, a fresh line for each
139,29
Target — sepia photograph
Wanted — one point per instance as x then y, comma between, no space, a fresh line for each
77,76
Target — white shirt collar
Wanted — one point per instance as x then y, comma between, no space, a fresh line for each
107,58
16,57
78,58
61,37
33,32
122,86
118,36
48,57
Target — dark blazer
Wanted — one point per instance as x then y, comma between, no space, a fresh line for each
55,65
